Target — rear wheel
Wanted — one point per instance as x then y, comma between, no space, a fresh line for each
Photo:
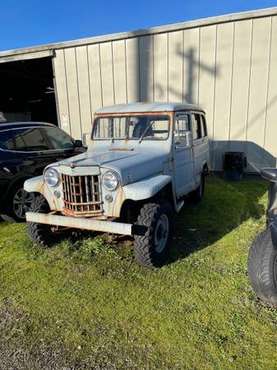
198,194
152,243
262,268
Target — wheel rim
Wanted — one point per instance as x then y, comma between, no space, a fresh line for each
22,201
161,233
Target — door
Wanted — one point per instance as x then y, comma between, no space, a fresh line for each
200,143
183,155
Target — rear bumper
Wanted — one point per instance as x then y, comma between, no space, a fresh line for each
80,223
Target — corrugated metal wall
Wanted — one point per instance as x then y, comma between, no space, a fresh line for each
229,68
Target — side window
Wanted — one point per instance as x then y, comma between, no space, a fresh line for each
23,139
196,126
182,125
204,126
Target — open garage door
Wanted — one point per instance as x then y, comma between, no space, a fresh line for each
27,91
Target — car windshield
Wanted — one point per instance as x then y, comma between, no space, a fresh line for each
135,127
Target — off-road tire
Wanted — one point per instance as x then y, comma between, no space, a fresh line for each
145,250
262,268
198,194
41,234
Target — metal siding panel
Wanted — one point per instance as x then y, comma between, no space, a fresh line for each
191,65
84,88
271,126
224,64
96,99
175,66
240,85
119,59
106,60
73,93
160,67
207,71
258,93
146,68
61,85
132,70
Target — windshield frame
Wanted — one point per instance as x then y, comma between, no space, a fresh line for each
132,114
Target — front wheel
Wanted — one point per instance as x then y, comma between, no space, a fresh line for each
152,246
262,268
42,234
19,203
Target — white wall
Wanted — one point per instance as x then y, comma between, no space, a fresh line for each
229,68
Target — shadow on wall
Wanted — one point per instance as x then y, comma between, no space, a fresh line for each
257,157
189,93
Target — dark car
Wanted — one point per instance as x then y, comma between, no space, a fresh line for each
26,148
262,258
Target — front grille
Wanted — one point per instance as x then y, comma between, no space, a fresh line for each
81,195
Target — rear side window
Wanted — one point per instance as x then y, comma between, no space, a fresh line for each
32,139
196,126
204,126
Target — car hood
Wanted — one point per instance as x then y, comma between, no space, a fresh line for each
131,165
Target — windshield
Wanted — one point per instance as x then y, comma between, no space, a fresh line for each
137,127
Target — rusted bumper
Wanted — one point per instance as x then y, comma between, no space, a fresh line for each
80,223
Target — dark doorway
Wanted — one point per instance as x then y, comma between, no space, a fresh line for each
27,91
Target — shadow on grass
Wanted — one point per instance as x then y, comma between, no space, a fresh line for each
226,206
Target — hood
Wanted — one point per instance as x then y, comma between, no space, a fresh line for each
131,165
96,158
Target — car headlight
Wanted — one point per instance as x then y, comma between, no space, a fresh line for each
51,177
110,180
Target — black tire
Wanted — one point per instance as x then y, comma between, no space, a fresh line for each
198,194
42,234
19,201
151,245
262,268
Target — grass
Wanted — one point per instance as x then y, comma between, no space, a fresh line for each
89,305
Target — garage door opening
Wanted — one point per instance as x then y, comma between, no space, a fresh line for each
27,91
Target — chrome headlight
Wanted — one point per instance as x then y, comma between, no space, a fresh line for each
110,180
51,177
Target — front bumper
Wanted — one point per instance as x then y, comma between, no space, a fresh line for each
80,223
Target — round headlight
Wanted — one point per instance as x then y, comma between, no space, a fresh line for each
51,177
110,180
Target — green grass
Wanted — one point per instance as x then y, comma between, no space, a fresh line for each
89,305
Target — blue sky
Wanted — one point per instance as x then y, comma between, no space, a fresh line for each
33,22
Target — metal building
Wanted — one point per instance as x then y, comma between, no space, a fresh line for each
227,64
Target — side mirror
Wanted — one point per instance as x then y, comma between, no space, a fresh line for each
78,144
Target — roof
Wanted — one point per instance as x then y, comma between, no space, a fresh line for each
8,125
13,53
148,107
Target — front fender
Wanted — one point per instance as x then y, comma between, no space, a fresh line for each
34,185
146,188
37,185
